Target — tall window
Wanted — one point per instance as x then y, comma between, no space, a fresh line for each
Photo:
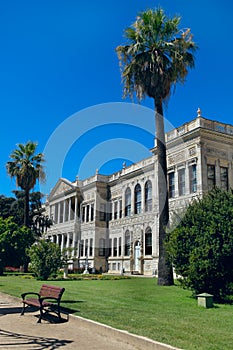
224,178
110,247
171,185
137,199
148,196
83,213
86,247
82,247
120,208
148,241
92,211
115,210
181,181
61,212
91,247
193,178
109,215
128,202
102,247
87,212
119,246
66,210
211,181
115,247
56,213
127,243
72,208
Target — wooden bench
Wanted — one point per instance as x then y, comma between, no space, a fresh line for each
47,300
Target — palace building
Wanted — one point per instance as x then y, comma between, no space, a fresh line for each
110,222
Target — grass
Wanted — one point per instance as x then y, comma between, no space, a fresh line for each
138,305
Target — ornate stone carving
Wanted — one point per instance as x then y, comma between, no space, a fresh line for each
216,152
175,158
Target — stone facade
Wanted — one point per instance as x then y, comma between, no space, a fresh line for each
111,222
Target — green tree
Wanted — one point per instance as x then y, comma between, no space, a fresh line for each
156,57
14,241
45,259
27,167
6,206
201,246
38,221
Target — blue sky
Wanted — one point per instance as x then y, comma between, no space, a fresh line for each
58,59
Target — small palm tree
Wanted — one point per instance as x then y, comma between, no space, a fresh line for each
27,167
156,58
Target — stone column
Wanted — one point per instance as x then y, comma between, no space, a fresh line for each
176,182
64,210
76,208
123,203
217,173
68,240
62,241
58,212
69,208
187,181
74,242
230,175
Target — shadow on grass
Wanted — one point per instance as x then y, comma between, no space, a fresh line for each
69,310
10,340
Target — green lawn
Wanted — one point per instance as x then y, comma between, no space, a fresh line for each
166,314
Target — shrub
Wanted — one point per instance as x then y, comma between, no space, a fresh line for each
201,247
45,259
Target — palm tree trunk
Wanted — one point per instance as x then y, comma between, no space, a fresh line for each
26,221
26,208
165,275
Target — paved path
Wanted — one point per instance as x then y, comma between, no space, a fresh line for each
76,333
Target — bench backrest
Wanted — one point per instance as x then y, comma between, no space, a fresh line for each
51,291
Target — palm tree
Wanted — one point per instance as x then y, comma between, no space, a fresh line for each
27,168
156,57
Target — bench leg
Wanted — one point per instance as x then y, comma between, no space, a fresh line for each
41,315
23,309
58,312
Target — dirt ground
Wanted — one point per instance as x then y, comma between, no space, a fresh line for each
23,332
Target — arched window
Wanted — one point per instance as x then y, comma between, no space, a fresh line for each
148,241
128,202
148,196
102,247
137,199
127,243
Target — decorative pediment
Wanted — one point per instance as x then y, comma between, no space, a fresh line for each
61,188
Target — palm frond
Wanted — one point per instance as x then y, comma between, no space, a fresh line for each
157,55
26,166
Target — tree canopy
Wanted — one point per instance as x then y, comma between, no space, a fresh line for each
38,222
14,241
201,246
